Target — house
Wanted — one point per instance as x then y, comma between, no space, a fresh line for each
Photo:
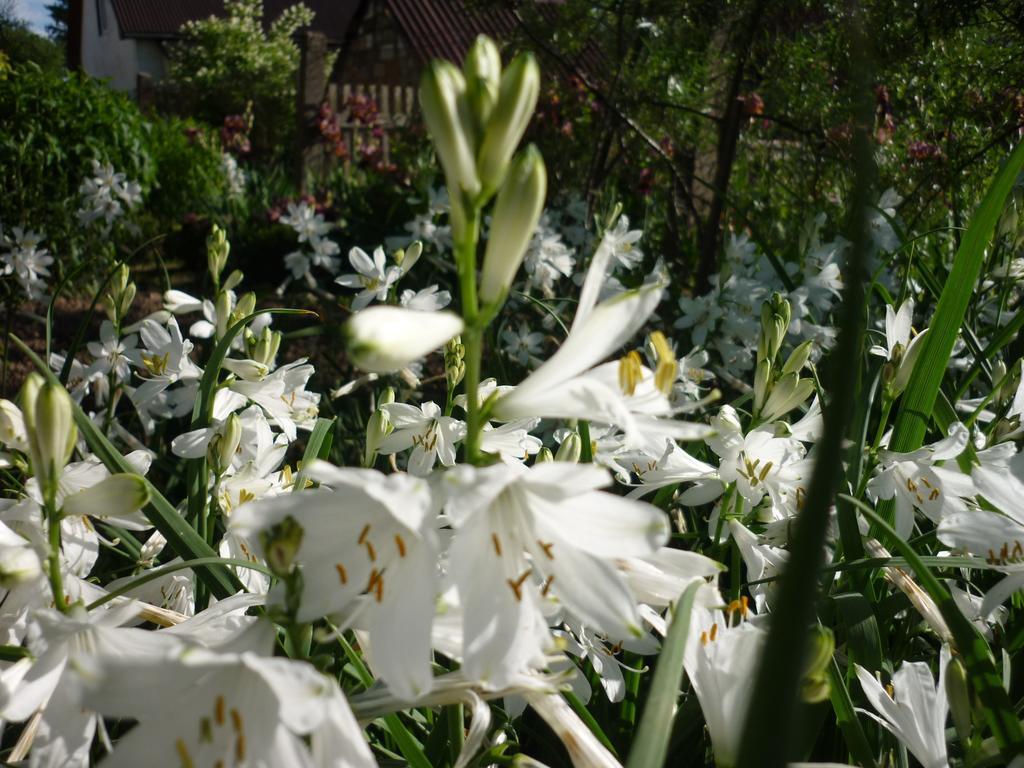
379,42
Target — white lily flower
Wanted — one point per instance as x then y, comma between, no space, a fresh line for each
899,348
373,277
721,658
430,299
164,356
918,481
386,339
916,712
997,538
230,708
431,436
523,535
372,540
677,466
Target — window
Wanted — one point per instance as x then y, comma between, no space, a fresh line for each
101,16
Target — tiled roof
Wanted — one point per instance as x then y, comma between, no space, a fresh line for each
444,29
163,18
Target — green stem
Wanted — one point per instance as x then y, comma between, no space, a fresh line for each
465,262
53,522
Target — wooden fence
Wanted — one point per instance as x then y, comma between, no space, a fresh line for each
359,126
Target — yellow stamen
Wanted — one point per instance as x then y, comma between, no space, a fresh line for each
630,372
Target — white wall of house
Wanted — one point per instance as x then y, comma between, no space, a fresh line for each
107,55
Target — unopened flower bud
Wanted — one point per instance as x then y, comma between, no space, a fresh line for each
442,87
19,562
517,99
281,544
245,307
224,445
544,454
959,697
222,308
406,258
120,294
516,213
217,249
482,69
788,392
798,358
454,361
52,431
775,317
263,348
12,427
571,448
385,339
233,280
378,427
762,382
115,496
814,687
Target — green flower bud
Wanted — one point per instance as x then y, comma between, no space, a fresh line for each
120,294
544,454
281,544
407,258
762,383
482,69
798,358
571,448
224,444
454,361
222,307
516,213
378,426
442,87
517,100
233,280
959,697
789,392
263,348
217,249
51,430
245,307
814,686
115,496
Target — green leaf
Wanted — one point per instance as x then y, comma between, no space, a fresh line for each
650,745
846,717
919,398
863,641
973,649
320,435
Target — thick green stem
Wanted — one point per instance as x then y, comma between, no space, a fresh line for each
53,561
465,261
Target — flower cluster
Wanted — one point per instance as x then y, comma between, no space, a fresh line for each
107,195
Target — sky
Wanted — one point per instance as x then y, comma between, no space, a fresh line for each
34,12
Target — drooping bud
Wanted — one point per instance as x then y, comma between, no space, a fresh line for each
571,448
482,69
442,87
959,697
454,362
517,100
798,358
385,339
233,280
788,392
217,249
224,445
516,213
115,496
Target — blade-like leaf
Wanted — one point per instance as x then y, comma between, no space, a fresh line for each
650,745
